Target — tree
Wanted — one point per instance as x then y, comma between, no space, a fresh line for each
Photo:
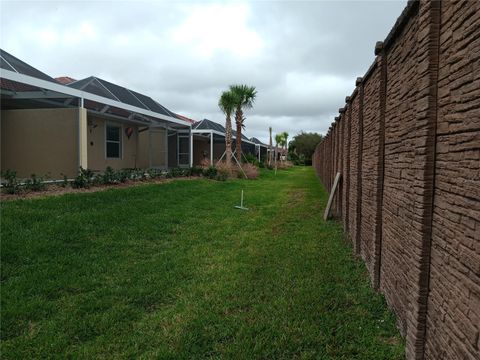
270,154
284,141
278,140
227,104
245,97
304,144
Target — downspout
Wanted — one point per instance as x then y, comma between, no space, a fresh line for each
79,133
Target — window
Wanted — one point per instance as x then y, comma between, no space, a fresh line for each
114,141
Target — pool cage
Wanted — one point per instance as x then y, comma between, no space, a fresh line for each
261,150
209,143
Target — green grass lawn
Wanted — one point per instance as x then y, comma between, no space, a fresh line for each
174,271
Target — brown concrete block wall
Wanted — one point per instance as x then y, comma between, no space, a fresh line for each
346,163
370,164
338,199
400,250
411,177
340,166
453,316
353,174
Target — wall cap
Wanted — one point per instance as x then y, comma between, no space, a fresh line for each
378,47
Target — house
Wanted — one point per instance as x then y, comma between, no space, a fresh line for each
208,140
48,128
64,80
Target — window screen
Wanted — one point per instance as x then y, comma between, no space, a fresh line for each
114,141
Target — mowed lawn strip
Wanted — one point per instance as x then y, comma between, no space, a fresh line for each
174,271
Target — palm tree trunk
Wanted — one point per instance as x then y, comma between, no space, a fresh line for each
238,120
276,155
228,141
270,154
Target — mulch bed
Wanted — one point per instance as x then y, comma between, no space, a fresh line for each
56,190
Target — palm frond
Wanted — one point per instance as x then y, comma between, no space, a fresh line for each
227,102
245,94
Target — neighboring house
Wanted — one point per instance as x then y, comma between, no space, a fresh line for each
52,129
261,149
209,142
65,80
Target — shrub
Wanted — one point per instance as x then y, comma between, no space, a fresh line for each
138,174
84,179
251,171
64,182
205,163
261,165
123,175
196,171
221,177
108,177
154,173
210,172
179,172
35,184
227,171
284,164
11,185
251,159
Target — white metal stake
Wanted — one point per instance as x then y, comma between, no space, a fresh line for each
241,204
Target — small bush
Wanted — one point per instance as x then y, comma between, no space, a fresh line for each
284,164
221,177
154,173
11,185
251,171
251,159
205,163
84,179
138,175
227,171
261,165
123,175
64,182
196,171
176,172
35,184
109,177
210,172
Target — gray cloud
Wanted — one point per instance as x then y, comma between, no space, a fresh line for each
303,57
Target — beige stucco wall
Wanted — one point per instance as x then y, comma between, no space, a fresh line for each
45,142
40,141
96,144
152,149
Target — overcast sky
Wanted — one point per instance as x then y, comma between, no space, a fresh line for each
302,56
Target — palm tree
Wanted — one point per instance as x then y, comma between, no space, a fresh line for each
227,104
278,140
285,141
245,97
270,155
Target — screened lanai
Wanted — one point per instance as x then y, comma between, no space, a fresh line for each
209,142
261,149
48,128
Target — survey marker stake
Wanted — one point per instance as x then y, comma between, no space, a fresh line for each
241,207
